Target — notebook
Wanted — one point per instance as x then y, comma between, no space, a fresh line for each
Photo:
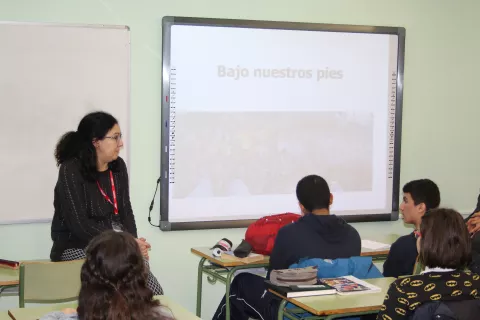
297,291
374,245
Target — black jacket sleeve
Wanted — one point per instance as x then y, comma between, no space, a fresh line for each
72,195
278,257
401,258
477,208
128,217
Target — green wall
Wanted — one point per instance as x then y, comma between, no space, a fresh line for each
440,107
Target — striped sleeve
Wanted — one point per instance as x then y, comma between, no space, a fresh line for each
72,193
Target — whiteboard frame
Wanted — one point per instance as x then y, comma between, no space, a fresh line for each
169,21
91,26
73,25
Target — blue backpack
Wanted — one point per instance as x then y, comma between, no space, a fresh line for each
359,267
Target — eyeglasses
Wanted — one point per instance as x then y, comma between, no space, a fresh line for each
117,138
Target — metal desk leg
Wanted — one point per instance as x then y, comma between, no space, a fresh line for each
281,308
227,292
215,273
199,287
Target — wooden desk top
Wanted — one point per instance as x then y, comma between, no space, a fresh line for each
179,312
206,253
372,253
338,304
4,316
9,277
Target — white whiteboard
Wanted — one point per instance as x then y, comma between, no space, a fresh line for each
51,76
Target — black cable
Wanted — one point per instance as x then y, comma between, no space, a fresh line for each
151,205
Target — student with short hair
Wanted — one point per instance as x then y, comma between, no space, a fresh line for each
333,237
445,251
317,234
419,196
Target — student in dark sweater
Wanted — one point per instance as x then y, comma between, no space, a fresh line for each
473,225
419,196
316,235
473,220
445,251
92,193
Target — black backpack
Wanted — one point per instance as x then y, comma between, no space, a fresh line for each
448,310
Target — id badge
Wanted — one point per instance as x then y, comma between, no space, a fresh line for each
117,227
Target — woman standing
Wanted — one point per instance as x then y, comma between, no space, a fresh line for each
92,193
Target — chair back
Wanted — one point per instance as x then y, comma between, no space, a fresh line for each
49,282
418,267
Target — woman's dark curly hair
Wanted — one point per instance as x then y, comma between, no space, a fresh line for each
79,144
113,281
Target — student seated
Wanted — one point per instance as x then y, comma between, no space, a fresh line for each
473,225
317,234
92,190
114,283
419,196
445,251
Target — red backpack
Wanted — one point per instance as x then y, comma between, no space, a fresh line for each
262,233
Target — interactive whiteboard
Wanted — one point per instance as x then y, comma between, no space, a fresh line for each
250,107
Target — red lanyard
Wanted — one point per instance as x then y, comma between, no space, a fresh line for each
114,203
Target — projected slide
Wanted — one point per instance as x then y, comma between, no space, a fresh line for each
252,111
265,153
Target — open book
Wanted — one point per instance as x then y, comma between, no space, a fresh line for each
346,285
350,285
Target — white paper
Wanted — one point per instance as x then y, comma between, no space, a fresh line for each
374,245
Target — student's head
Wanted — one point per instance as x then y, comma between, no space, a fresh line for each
444,241
114,280
419,196
98,139
313,194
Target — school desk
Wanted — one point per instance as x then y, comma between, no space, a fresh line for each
336,306
179,312
223,270
8,278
